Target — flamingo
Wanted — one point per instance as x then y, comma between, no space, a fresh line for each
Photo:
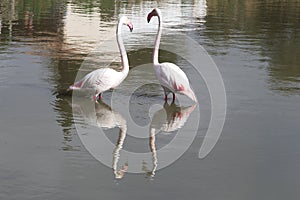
171,77
104,79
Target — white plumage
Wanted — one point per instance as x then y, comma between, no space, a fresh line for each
171,77
104,79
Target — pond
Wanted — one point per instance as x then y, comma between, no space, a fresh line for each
131,144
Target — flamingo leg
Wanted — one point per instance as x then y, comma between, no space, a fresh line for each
166,97
173,98
97,97
166,93
100,96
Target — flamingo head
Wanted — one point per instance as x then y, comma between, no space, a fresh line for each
154,12
127,22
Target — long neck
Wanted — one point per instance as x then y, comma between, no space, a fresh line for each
124,59
157,42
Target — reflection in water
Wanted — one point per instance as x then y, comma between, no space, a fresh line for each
108,118
151,172
101,115
28,22
200,10
267,31
116,156
170,118
63,106
167,120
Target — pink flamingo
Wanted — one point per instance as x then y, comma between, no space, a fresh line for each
104,79
171,77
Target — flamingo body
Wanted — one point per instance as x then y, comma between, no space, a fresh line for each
104,79
171,77
99,81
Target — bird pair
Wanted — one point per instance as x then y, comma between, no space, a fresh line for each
171,77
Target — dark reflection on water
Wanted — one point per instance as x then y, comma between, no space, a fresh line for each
256,45
267,29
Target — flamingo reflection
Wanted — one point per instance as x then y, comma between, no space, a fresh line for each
103,116
170,118
165,121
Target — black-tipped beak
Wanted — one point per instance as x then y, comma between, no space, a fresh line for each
149,17
130,26
151,14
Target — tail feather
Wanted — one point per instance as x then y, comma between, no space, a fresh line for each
76,86
73,87
190,94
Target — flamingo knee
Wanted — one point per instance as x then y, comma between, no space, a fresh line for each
166,97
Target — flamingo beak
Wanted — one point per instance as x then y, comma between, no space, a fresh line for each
149,17
130,26
151,14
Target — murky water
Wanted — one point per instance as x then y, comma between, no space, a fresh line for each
43,151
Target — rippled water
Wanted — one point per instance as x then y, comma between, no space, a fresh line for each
44,45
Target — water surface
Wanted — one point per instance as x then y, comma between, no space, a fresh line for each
255,45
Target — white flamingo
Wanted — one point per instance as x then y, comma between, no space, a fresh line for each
171,77
104,79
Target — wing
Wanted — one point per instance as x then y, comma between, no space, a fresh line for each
172,77
100,79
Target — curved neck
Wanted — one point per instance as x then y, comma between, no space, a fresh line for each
124,59
157,42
